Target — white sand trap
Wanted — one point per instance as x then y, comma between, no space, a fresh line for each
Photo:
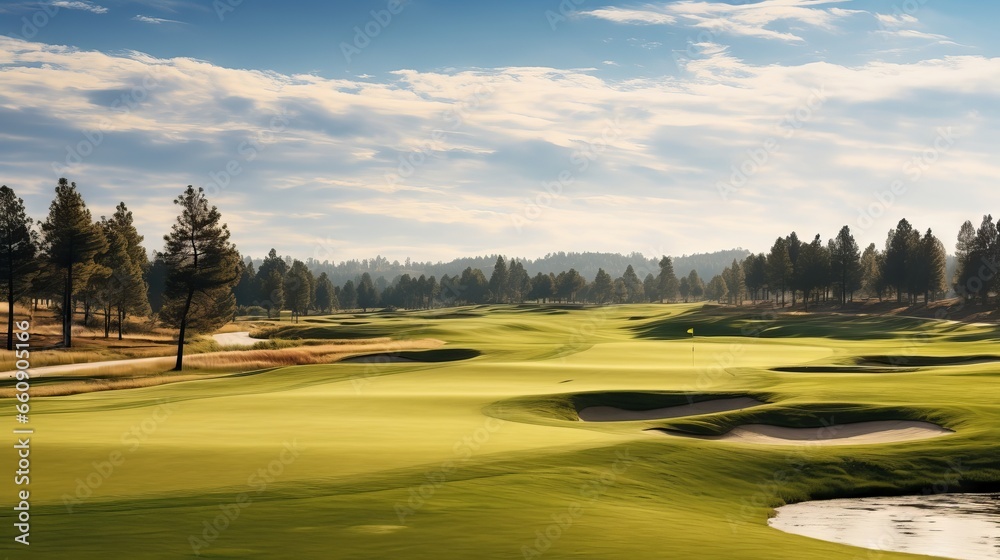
236,339
883,431
613,414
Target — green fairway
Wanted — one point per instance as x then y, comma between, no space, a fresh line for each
474,450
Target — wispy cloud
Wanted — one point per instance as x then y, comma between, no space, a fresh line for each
914,34
648,15
750,20
893,20
154,20
80,5
174,6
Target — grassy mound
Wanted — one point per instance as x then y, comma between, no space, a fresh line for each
487,458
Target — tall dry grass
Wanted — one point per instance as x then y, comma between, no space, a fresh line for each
128,375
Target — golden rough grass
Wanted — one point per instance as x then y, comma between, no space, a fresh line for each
125,375
76,387
246,360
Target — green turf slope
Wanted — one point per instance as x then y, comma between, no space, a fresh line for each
478,453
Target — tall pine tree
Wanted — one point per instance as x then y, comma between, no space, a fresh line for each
18,245
202,268
71,240
127,291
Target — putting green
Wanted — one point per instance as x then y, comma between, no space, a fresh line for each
481,452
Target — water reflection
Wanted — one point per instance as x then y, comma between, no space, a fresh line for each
961,526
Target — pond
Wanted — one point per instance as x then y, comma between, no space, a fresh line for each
962,526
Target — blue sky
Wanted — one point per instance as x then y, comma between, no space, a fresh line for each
444,129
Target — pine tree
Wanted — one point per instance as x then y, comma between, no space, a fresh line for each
845,263
667,280
736,281
794,247
964,271
571,284
651,287
272,290
202,268
246,289
716,288
127,291
696,285
871,271
542,287
779,268
325,295
271,277
18,246
367,295
71,240
603,286
931,273
348,296
899,258
518,281
633,286
498,281
619,290
297,289
984,257
474,286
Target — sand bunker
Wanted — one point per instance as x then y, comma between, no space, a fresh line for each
883,431
613,414
236,339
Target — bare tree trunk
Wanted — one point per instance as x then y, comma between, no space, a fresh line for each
68,309
10,309
180,336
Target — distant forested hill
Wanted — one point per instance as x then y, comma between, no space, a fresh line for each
707,265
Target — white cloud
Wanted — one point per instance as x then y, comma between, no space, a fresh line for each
900,20
914,34
470,149
80,5
750,20
647,16
153,20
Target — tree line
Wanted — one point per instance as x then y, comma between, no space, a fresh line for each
586,263
199,281
101,269
909,267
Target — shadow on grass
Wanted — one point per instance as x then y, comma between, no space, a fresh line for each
768,323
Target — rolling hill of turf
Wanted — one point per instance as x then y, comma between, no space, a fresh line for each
476,451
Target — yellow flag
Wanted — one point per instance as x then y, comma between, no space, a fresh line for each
691,331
